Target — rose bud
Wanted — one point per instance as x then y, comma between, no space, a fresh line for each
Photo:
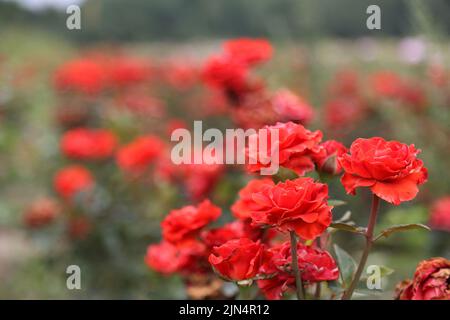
327,161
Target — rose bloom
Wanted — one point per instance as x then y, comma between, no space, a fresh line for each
298,205
136,156
431,282
181,75
291,107
389,168
167,258
327,161
218,236
88,144
440,214
71,180
244,206
247,50
296,146
82,75
227,74
238,259
184,225
316,265
41,213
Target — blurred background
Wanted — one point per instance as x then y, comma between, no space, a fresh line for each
134,70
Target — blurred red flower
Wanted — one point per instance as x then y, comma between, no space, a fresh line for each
41,213
431,282
79,227
81,75
341,114
298,205
136,156
291,107
315,264
440,214
296,144
88,144
183,226
71,180
386,84
247,50
390,168
238,259
125,71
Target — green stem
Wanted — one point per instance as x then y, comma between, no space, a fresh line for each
369,241
298,278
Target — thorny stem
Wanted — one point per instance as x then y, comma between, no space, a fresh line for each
298,278
369,241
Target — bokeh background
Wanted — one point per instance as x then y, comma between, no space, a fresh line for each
323,52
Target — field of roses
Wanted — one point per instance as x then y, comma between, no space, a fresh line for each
87,179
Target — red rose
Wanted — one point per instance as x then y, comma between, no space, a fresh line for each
315,265
88,144
238,259
226,74
343,113
183,225
167,258
291,107
71,180
136,156
82,75
41,213
390,168
440,214
298,205
296,147
249,51
218,236
327,161
431,281
244,206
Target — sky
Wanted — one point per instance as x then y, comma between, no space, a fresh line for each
42,4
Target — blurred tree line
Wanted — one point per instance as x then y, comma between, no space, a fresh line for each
137,20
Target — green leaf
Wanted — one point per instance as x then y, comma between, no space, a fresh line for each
400,228
347,266
336,203
348,227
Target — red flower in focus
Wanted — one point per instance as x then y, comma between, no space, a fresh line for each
238,259
82,75
167,258
327,161
386,84
182,226
244,206
291,107
88,144
431,281
71,180
247,50
440,214
389,168
79,227
316,265
296,146
298,205
136,156
41,213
